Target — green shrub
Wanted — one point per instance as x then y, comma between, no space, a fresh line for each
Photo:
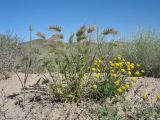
67,63
128,111
144,49
70,69
110,76
109,112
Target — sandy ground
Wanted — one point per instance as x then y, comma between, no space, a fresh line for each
38,107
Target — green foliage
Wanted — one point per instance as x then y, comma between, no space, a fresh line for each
128,111
143,110
71,68
146,112
108,112
144,49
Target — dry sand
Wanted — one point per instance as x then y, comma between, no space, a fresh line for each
38,107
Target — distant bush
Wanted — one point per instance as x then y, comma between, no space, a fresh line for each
145,49
9,50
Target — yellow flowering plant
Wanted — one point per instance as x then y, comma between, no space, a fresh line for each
111,76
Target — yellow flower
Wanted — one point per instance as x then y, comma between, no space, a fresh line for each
120,90
123,87
145,96
112,71
117,82
117,64
127,63
138,65
129,73
119,58
97,75
142,71
112,65
126,86
123,70
114,75
123,59
115,95
128,69
133,79
94,87
158,97
95,63
120,63
118,55
100,61
137,73
110,62
132,67
93,69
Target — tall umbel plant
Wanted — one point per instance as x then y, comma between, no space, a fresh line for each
25,66
30,34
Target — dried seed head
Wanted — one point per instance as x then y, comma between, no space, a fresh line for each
80,38
110,31
56,37
81,31
56,28
91,29
41,35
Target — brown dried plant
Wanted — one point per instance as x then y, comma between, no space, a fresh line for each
41,35
110,31
91,29
56,28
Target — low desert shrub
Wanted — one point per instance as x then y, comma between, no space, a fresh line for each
109,112
67,64
68,72
10,48
79,70
110,76
128,111
144,49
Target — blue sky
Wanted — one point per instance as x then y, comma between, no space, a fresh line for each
123,15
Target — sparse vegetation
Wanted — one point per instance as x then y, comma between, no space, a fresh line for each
85,71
